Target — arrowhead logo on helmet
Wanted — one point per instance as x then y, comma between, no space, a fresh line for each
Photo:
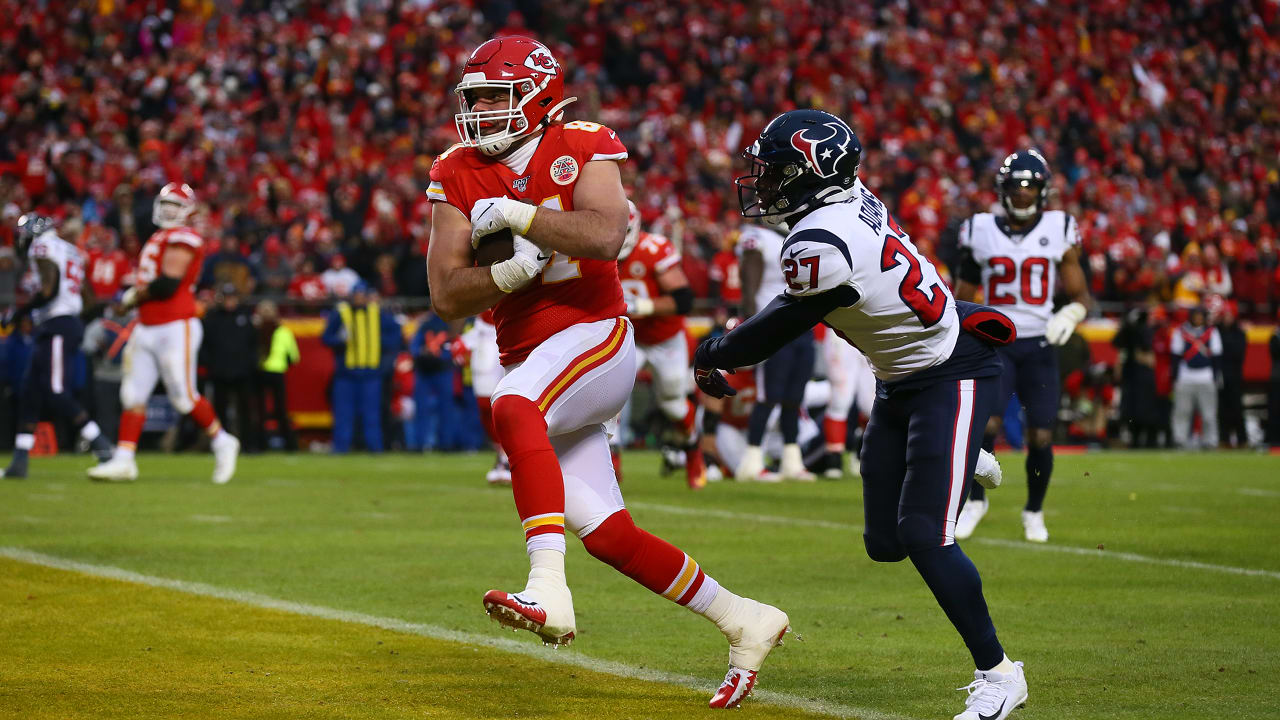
823,153
542,61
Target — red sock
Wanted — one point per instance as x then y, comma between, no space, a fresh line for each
131,428
486,417
690,418
649,560
536,481
835,432
202,413
616,456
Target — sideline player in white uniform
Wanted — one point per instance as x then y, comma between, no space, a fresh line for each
1011,259
480,341
853,385
848,264
56,280
780,380
166,340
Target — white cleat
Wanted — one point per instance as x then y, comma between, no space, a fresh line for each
225,451
751,466
758,631
993,695
970,516
116,469
545,610
500,473
987,471
792,466
1033,526
855,465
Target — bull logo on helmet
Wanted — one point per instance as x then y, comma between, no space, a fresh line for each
823,153
542,61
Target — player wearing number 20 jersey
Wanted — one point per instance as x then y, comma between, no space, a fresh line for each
1015,260
848,264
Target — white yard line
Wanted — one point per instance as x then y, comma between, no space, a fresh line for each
1015,544
526,646
1258,492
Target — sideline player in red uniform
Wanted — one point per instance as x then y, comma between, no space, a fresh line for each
567,348
166,340
658,297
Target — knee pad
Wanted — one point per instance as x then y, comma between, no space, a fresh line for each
882,549
518,424
130,397
616,541
675,408
919,532
181,402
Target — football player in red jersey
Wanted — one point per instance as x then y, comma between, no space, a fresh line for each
658,297
166,340
565,343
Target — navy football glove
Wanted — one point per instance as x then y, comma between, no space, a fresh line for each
708,378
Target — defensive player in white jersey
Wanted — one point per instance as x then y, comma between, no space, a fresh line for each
1011,260
853,390
780,379
848,264
56,280
166,340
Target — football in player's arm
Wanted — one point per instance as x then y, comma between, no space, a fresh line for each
594,229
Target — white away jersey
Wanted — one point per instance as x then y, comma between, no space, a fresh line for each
1019,271
905,318
49,246
769,244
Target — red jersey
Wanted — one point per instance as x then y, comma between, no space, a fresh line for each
737,409
652,256
569,290
107,271
724,270
308,286
182,303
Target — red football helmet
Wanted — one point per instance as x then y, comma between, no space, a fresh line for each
526,70
175,203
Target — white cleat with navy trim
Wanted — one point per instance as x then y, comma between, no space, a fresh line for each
970,516
545,611
993,695
757,629
1033,526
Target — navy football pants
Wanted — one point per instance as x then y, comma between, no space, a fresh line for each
918,456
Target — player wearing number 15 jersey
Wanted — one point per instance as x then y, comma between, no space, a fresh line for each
1015,260
164,345
567,348
848,264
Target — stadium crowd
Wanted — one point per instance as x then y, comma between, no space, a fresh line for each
308,128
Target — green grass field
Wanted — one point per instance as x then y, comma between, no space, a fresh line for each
314,586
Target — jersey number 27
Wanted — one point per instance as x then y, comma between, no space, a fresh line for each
928,307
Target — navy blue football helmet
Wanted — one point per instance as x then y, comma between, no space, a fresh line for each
1023,169
31,226
803,160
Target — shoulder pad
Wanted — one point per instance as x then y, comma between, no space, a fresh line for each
815,261
445,164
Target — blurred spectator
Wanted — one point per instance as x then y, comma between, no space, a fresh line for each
274,268
10,270
307,283
1231,427
279,351
229,266
1197,354
1139,407
104,342
433,397
339,279
364,339
1273,390
15,352
229,354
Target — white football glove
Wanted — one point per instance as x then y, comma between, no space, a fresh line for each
516,272
492,214
130,297
638,307
1064,322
